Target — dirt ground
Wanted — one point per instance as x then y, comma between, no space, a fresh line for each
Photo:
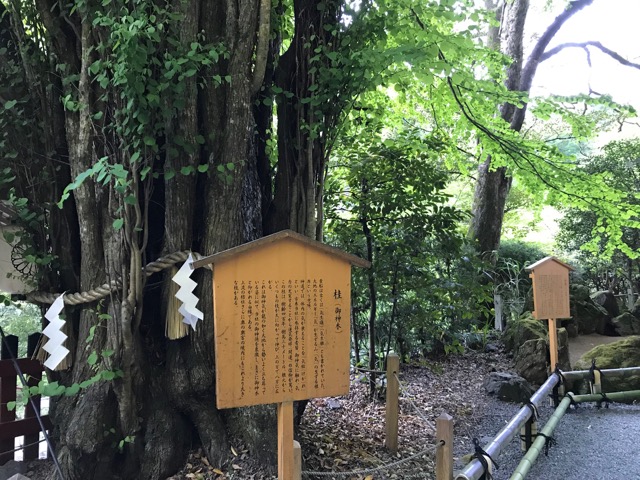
581,344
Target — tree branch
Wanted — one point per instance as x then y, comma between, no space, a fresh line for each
616,56
529,70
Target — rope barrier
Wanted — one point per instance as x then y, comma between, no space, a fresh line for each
366,370
573,403
593,370
415,407
484,458
548,442
104,290
381,468
606,401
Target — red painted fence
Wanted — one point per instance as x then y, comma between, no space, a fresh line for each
10,428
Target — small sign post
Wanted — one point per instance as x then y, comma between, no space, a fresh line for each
281,326
550,279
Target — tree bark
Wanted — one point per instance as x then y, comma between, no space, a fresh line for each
301,162
166,396
493,185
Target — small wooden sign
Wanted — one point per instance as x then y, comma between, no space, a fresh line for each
281,318
550,279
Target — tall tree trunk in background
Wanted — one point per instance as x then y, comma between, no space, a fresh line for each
299,180
493,185
371,283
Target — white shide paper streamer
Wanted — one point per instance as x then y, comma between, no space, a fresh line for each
189,301
53,331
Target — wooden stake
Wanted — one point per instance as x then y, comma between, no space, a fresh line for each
391,417
553,343
297,461
285,441
596,386
444,452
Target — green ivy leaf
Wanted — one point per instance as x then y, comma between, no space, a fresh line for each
118,223
92,359
72,390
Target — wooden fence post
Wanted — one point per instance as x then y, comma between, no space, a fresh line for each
391,417
297,461
444,451
498,304
8,394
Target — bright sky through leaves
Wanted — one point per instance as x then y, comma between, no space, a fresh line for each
612,22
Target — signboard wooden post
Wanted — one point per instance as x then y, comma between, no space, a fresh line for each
550,279
281,319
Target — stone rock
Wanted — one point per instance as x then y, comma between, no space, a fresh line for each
521,330
11,468
508,387
626,324
572,329
607,300
635,311
531,361
579,292
589,316
492,347
621,354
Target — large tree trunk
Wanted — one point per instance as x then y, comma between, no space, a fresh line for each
167,389
493,184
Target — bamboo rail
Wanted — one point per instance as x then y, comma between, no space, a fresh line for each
474,470
611,372
532,454
538,445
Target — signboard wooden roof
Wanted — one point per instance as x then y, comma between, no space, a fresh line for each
281,318
276,237
550,279
546,260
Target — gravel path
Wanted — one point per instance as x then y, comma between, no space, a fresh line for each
592,444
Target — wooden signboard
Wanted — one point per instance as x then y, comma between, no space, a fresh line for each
550,279
282,325
281,320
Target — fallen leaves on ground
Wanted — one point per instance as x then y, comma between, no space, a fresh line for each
347,433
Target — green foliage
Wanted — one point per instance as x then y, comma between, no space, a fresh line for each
510,277
519,253
614,240
20,319
143,68
97,360
392,189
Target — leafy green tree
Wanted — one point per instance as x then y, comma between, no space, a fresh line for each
539,167
583,233
386,200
